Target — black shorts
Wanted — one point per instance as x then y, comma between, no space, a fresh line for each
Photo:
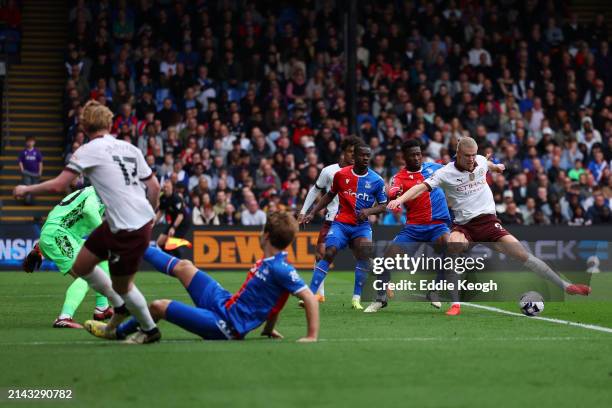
123,249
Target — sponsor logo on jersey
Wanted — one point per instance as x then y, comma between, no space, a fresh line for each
472,187
359,196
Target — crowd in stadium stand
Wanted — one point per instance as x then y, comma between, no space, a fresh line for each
240,105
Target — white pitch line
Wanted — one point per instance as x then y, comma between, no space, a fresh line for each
545,319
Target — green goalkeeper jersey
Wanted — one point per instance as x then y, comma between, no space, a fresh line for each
78,213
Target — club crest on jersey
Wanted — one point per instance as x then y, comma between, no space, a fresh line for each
368,185
411,177
347,181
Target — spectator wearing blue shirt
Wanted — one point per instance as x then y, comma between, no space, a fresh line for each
598,164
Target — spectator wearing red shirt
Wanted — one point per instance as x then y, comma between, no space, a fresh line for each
387,70
301,129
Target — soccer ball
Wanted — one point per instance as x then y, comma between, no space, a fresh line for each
531,303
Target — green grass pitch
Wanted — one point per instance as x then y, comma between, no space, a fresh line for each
409,354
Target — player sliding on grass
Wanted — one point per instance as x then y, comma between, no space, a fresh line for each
219,315
324,183
61,238
119,173
465,183
361,193
427,217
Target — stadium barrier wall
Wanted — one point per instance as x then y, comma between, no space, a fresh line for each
237,248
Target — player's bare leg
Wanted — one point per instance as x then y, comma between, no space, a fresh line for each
85,266
120,290
158,308
457,244
511,246
184,271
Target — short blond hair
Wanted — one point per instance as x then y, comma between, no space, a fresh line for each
96,117
466,142
282,228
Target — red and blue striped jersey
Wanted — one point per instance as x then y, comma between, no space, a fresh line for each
429,207
264,292
356,193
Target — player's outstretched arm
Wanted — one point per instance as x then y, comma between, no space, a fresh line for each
58,184
311,307
323,202
311,197
495,168
411,194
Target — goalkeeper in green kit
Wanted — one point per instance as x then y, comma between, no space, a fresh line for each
61,238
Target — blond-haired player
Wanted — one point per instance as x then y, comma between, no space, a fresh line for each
216,314
469,196
126,186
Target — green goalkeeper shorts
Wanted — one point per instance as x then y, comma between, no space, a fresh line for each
62,247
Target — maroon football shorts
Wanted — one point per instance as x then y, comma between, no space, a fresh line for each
123,250
484,228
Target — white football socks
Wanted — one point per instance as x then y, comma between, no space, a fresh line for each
538,266
321,290
99,281
137,305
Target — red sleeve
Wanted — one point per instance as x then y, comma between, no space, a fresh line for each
334,186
